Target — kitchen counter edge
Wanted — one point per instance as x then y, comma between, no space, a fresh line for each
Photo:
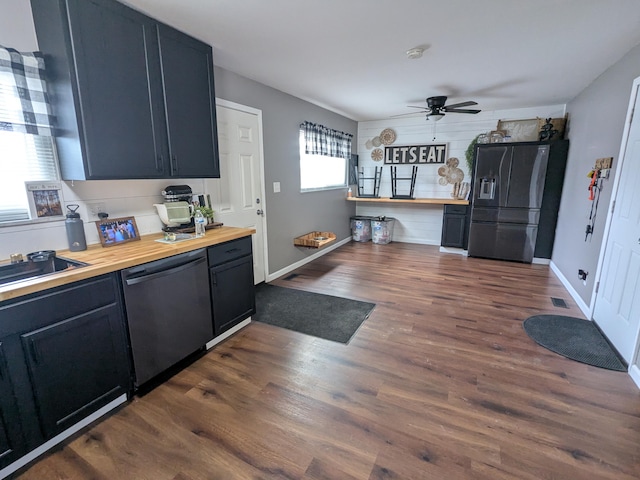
103,260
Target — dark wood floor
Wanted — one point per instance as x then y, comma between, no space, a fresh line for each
441,382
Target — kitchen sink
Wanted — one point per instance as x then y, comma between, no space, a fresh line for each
25,270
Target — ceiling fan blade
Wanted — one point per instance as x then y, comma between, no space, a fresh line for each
416,106
410,113
462,110
461,104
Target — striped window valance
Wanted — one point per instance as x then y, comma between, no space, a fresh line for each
320,140
24,101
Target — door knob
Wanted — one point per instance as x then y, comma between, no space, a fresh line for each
260,212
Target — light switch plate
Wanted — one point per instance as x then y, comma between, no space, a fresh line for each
276,187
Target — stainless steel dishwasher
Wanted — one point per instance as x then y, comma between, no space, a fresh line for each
168,305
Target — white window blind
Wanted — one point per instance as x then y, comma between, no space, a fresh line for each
26,145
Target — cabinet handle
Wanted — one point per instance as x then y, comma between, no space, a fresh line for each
33,348
214,278
159,164
174,165
2,363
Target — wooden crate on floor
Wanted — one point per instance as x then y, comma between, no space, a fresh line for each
315,239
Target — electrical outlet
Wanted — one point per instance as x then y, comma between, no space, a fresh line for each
582,275
95,208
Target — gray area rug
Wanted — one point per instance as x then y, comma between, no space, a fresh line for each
574,338
324,316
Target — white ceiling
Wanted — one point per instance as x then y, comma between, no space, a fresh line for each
349,55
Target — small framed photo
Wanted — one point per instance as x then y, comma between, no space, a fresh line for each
45,200
115,231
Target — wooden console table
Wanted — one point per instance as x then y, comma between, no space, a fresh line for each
417,201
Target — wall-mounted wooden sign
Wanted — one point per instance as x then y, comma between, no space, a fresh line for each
415,154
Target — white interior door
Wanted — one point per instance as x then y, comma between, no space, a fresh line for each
238,195
617,306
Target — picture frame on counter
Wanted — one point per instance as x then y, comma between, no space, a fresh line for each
45,199
116,231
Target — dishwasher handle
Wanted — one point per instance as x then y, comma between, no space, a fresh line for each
163,273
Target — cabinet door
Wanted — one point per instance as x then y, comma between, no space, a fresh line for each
453,231
187,69
121,116
11,442
232,293
76,366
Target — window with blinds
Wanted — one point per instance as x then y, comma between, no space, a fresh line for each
27,151
23,158
324,157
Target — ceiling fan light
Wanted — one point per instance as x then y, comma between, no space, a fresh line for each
435,116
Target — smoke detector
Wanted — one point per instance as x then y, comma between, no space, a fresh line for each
414,53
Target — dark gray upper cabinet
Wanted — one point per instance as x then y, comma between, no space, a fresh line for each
133,97
187,72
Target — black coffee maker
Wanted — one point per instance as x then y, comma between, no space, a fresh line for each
177,193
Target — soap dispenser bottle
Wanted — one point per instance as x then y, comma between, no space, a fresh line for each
75,229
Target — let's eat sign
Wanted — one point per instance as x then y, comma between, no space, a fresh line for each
415,154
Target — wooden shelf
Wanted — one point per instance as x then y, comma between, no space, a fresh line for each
314,239
419,201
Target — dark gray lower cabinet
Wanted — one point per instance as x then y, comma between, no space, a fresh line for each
66,357
454,226
231,279
11,436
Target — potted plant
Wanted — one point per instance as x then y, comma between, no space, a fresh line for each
206,213
469,154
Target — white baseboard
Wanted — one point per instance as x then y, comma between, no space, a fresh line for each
33,454
304,261
457,251
634,373
540,261
227,334
583,306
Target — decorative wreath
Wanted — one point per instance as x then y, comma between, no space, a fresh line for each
450,173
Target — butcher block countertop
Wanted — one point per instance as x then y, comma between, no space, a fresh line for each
103,260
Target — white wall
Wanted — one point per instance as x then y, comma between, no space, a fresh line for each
423,223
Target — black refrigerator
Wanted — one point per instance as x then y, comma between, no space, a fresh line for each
509,184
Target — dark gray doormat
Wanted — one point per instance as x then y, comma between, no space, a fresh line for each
574,338
324,316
